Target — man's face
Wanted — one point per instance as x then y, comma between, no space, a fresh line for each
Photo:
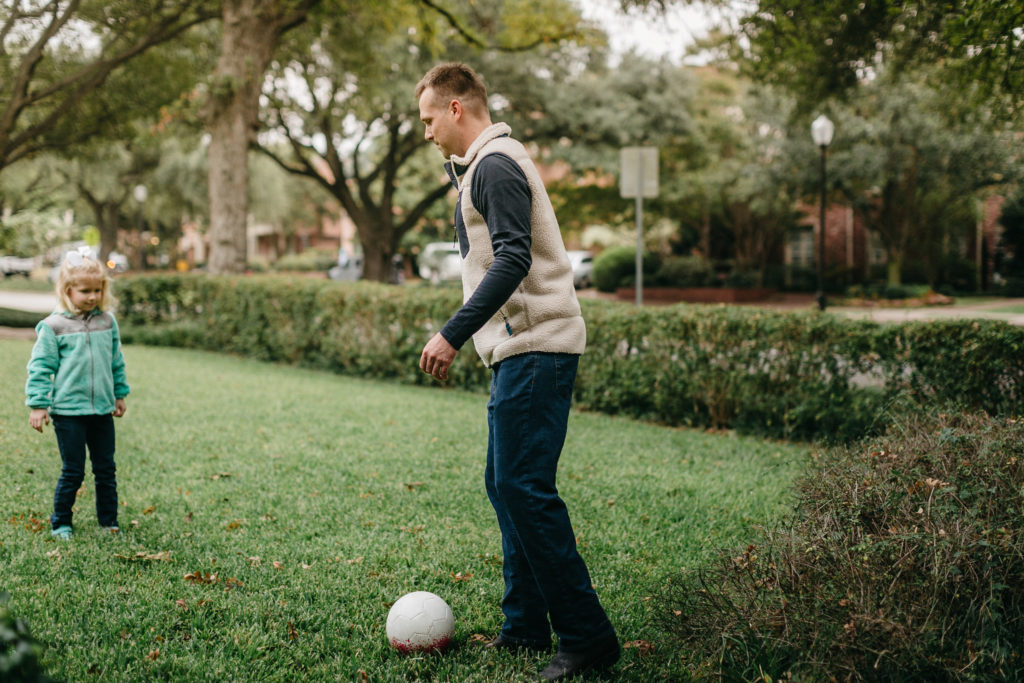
438,116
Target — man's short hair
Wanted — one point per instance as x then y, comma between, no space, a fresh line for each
455,81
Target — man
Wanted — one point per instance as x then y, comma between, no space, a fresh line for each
520,309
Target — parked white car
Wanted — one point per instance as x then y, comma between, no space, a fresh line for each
582,268
15,265
440,262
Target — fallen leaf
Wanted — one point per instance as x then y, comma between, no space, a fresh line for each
355,561
221,475
479,638
142,556
182,603
54,553
201,577
643,647
412,485
154,654
278,565
305,566
292,633
462,576
232,582
150,510
253,561
233,524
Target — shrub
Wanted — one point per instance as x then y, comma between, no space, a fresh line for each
10,317
739,277
611,266
780,374
308,261
616,267
684,271
904,291
19,651
904,561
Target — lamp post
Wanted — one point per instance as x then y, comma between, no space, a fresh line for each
821,132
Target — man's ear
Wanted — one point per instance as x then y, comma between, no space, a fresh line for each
456,108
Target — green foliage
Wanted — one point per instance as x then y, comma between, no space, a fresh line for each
10,317
788,375
612,267
684,271
904,561
819,50
616,267
19,651
310,260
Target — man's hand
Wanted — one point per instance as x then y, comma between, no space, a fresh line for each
119,407
437,357
37,418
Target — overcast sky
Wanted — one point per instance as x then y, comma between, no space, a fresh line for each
651,34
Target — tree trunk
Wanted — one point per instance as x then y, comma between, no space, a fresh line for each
251,29
895,263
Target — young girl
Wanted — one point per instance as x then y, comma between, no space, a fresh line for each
76,378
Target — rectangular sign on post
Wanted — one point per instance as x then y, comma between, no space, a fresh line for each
638,166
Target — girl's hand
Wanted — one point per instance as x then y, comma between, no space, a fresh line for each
119,407
37,418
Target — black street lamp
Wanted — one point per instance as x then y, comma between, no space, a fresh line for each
821,132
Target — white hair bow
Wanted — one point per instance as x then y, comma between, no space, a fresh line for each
77,257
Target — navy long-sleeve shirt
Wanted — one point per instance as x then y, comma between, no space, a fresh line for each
501,193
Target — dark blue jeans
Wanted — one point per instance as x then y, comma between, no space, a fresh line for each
74,434
545,577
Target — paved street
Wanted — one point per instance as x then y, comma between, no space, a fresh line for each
41,302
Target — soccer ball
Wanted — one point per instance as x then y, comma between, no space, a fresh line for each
420,622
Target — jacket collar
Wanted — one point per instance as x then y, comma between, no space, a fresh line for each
456,165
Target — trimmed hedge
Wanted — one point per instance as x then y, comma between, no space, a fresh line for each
791,375
10,317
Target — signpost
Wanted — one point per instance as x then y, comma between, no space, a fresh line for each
638,177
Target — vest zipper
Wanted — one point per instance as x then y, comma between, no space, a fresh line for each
92,365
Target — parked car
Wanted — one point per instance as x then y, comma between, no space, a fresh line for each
582,263
15,265
440,262
348,268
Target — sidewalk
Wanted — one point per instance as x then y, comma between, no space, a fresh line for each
36,302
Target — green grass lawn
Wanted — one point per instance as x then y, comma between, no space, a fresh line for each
24,284
271,515
1009,308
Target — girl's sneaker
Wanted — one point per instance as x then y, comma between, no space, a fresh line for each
61,533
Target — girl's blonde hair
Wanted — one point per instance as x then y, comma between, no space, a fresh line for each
76,267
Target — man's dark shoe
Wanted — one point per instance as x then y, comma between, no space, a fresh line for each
565,665
500,643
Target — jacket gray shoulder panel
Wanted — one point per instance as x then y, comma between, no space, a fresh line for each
62,324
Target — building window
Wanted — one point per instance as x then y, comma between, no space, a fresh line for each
801,247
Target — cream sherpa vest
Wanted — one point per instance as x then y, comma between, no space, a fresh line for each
543,313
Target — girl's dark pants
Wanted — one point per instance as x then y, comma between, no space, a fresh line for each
74,434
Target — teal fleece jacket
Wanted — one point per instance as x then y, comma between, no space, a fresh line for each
77,367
